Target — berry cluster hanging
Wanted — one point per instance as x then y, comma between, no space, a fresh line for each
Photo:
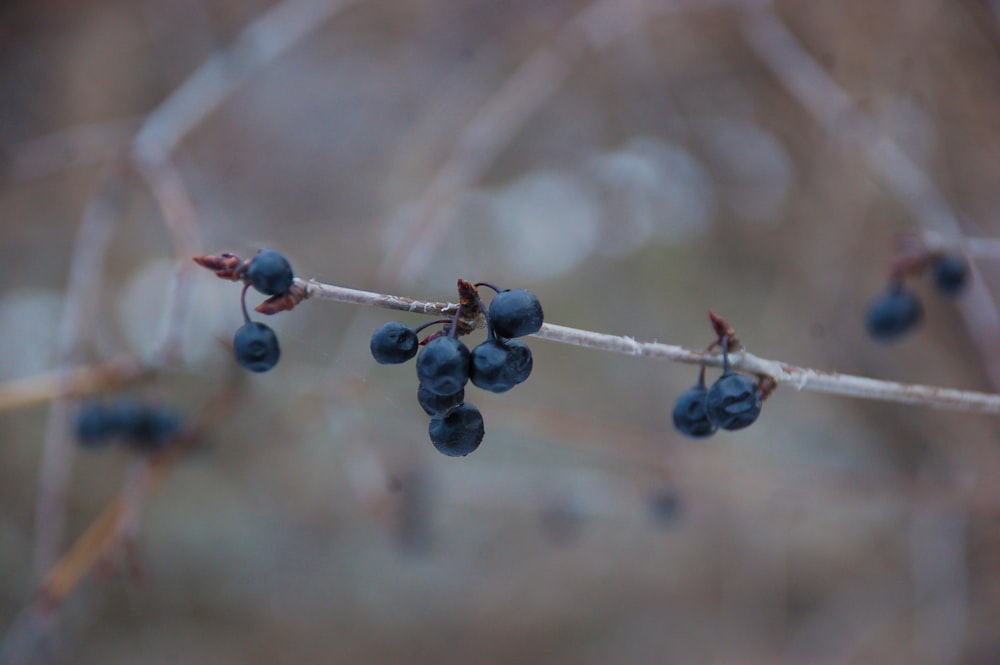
898,310
445,364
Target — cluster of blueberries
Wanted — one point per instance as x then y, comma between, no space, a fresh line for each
255,344
445,364
145,427
733,402
898,311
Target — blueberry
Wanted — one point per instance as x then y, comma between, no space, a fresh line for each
690,414
950,274
256,347
459,433
270,273
893,314
443,366
733,402
439,405
393,343
515,313
94,428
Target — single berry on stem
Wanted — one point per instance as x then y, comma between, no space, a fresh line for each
690,411
255,345
393,343
951,272
515,313
734,401
443,364
893,314
270,273
459,433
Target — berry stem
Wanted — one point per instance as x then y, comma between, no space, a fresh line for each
243,303
424,326
495,288
490,335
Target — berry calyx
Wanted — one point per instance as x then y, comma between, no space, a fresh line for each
393,343
893,314
443,366
270,273
439,405
459,433
515,313
691,412
951,273
256,347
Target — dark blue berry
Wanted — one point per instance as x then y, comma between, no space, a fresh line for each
733,402
691,415
393,343
94,428
519,362
256,347
270,273
950,274
443,366
153,427
515,313
459,433
488,368
893,314
438,405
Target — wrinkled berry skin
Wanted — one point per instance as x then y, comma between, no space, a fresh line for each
733,402
256,347
270,273
488,367
515,313
459,433
520,361
691,415
439,405
951,272
893,314
443,366
393,343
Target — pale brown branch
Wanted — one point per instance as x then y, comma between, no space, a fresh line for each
800,378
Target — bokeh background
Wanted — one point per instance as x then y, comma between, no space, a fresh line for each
647,164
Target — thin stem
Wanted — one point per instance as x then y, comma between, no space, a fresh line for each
424,326
243,304
800,378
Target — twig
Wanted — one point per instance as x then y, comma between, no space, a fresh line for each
91,244
800,378
76,382
596,27
833,108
